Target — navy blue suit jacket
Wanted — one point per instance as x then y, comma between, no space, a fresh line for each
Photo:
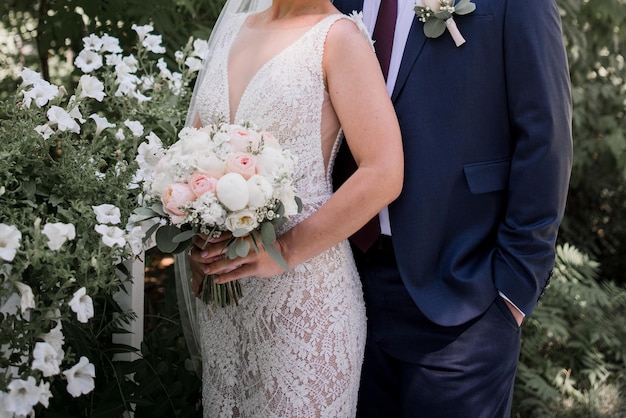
487,139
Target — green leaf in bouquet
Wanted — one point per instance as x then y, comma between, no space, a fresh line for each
240,233
276,256
165,238
464,7
149,232
145,213
231,251
268,233
434,27
184,236
183,246
443,15
242,248
255,245
299,203
158,208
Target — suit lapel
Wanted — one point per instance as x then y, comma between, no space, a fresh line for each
414,45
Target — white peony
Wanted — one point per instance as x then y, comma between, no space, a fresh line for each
232,191
260,191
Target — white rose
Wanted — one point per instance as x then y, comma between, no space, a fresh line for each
243,219
260,191
232,191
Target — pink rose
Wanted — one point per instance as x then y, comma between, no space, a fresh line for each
201,183
175,196
270,140
241,138
242,163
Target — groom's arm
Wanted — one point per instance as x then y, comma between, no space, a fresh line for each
538,91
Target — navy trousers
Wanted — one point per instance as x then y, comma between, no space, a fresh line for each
416,368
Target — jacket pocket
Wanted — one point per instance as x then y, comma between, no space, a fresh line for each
488,176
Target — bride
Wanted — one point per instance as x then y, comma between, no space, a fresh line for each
306,73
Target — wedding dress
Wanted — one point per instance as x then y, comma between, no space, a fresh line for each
294,345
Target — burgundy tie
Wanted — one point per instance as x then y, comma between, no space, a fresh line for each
383,35
383,32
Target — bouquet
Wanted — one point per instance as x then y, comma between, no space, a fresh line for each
214,179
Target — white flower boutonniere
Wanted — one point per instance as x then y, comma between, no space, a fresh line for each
437,15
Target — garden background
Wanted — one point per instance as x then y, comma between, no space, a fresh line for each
573,361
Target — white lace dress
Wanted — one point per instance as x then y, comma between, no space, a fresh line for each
294,345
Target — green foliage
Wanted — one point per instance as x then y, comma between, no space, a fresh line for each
573,360
595,33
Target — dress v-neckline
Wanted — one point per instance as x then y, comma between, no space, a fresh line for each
232,116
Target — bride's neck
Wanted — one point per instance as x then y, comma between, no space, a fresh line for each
292,10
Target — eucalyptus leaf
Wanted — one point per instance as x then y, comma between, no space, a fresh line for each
165,238
242,248
276,256
464,7
184,236
145,212
268,233
150,231
433,28
255,245
442,15
158,208
231,252
299,203
240,233
183,246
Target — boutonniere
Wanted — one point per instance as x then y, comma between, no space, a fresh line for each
437,15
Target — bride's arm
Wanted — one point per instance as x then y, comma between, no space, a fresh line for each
359,96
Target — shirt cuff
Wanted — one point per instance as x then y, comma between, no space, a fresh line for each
515,306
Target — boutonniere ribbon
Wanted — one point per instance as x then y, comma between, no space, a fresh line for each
437,16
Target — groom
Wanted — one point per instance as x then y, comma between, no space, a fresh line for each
467,250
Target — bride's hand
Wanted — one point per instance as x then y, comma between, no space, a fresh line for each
200,257
225,270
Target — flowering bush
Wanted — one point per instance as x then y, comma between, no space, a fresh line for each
66,191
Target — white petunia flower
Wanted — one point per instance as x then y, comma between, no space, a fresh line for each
135,127
27,300
150,153
90,86
29,77
107,214
42,92
44,394
10,238
88,61
111,235
82,305
80,378
58,233
153,44
56,339
62,119
110,44
45,358
44,130
23,395
120,134
142,31
101,123
75,111
194,64
3,410
92,43
200,48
